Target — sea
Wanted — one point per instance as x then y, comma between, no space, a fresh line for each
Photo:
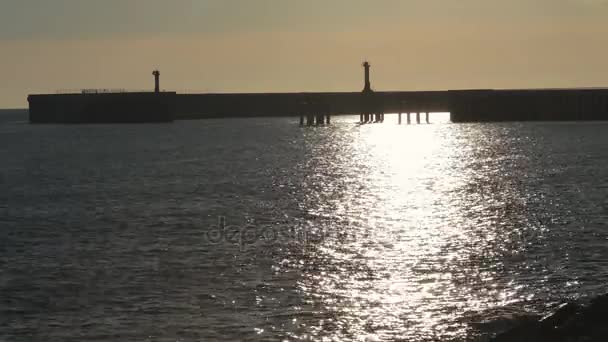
261,230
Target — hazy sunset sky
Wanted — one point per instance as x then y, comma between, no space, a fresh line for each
303,45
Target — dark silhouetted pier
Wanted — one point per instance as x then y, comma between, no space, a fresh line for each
463,105
479,105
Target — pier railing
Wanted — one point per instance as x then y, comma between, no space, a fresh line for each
103,91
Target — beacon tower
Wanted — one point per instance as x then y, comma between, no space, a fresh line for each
368,86
156,74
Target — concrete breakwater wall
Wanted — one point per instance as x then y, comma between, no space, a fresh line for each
102,107
530,105
464,105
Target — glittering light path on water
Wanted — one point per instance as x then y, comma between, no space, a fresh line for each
417,228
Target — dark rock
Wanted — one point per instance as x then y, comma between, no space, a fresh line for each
597,309
569,323
561,316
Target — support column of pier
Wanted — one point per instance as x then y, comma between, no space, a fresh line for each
361,118
418,118
320,119
427,118
409,118
310,120
400,118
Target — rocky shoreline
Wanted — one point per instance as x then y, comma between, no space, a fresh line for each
570,322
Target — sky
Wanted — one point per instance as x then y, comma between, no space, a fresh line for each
293,45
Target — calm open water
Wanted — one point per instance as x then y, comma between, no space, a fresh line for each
257,229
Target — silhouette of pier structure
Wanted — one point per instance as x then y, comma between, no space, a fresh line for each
477,105
372,107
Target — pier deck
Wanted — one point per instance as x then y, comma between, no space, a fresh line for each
484,105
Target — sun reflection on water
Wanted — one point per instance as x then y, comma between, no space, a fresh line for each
409,247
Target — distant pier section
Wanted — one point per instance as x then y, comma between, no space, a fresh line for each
104,106
479,105
463,105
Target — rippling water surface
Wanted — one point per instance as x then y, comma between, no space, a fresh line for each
257,229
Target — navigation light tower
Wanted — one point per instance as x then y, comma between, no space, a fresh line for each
368,86
156,74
